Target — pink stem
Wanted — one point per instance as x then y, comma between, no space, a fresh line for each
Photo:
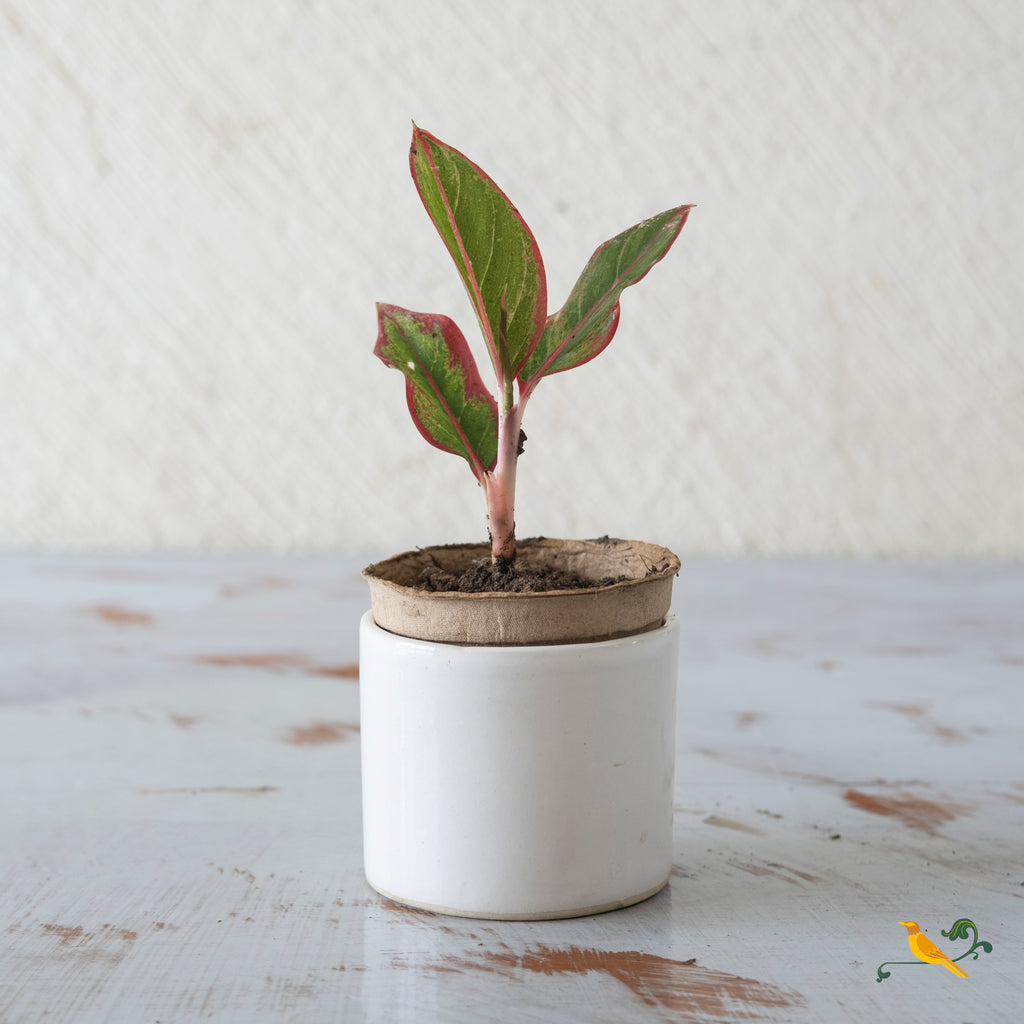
500,488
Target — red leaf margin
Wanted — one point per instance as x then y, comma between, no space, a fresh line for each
426,139
460,354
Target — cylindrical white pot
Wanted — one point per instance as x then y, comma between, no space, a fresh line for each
518,782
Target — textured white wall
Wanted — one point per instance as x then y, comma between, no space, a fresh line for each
202,200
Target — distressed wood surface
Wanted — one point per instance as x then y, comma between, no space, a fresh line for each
179,798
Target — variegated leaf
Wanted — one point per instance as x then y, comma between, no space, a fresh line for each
584,326
495,252
447,398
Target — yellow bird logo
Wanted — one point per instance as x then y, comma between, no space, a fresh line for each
924,949
928,953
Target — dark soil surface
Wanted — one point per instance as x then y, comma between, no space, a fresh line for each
486,577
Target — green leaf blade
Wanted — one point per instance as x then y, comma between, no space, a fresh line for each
494,250
585,325
447,398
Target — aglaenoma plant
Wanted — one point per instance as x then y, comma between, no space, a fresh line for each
502,270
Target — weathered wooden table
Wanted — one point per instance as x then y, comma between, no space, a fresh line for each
179,798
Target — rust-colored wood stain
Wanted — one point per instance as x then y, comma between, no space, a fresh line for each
689,992
317,733
118,616
280,662
914,811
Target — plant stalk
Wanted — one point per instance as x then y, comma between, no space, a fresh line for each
500,488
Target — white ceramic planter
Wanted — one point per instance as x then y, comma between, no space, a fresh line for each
518,782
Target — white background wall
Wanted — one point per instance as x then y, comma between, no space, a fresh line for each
201,201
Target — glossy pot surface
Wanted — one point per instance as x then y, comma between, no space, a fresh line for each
518,782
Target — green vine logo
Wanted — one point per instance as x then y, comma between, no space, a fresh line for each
928,953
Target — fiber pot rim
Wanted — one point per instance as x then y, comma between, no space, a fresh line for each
630,606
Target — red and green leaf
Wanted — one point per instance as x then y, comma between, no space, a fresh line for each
585,325
495,252
447,398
